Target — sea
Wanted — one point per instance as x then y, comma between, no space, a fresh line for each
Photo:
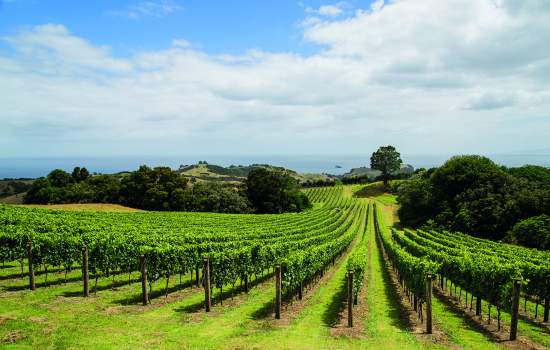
328,164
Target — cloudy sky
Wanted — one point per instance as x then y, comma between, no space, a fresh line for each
171,77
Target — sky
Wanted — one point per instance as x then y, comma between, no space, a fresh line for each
171,77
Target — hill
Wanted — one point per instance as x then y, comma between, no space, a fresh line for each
238,173
12,190
372,173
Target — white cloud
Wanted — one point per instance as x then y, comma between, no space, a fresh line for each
149,8
462,75
333,10
181,43
50,48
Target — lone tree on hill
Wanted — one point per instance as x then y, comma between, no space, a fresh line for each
387,160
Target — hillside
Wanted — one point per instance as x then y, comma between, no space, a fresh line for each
238,173
13,190
372,174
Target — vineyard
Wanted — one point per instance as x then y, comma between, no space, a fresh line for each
336,276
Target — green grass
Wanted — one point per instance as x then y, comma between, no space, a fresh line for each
535,331
387,198
458,329
385,326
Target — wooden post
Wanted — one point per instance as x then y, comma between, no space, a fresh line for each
207,290
197,275
350,299
85,274
143,268
278,291
246,283
515,310
32,285
300,288
478,306
429,304
546,309
415,302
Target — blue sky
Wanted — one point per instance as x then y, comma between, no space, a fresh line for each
213,26
169,77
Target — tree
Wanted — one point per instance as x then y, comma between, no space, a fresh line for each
416,204
151,189
387,160
80,174
274,191
84,174
474,195
59,178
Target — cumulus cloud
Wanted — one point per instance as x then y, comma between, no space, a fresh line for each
459,74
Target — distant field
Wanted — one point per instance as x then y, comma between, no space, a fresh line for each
83,207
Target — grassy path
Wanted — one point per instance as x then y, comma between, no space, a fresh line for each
385,328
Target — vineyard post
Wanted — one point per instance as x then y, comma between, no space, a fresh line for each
246,283
197,275
300,289
415,302
85,275
278,292
350,298
143,268
515,310
478,305
32,285
206,277
429,304
546,309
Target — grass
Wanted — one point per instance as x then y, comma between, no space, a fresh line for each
458,329
385,326
374,191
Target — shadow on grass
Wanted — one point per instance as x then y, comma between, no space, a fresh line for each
372,190
156,293
266,310
331,316
7,266
397,311
116,284
230,292
26,273
470,320
42,284
545,328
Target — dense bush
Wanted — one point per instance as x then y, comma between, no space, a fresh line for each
161,188
472,194
533,232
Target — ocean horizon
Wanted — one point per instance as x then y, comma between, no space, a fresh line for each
31,167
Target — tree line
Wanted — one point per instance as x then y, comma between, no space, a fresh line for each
161,188
472,194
